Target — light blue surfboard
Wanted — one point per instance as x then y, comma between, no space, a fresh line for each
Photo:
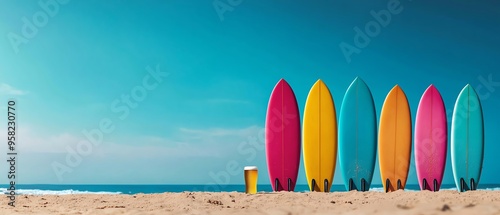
467,140
357,136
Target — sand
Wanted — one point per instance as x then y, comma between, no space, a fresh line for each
400,202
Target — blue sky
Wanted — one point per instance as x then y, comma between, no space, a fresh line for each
207,113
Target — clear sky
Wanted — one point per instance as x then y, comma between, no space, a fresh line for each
72,66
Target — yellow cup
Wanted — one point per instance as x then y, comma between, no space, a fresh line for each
251,175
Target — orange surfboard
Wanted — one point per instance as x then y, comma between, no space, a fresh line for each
394,148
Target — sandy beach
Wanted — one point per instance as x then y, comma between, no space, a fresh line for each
400,202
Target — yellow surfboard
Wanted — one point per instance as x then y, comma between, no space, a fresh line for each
320,138
395,137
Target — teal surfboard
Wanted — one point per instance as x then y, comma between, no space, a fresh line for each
467,140
357,137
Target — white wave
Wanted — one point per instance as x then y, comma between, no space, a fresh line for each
491,189
380,189
53,192
377,189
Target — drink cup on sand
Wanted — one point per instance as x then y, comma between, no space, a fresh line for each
251,175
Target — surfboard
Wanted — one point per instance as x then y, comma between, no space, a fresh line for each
282,137
320,138
431,136
357,136
467,140
394,140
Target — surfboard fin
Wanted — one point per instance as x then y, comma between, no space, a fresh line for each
472,184
351,184
435,185
363,185
387,184
326,185
276,184
462,184
289,184
399,184
424,187
313,183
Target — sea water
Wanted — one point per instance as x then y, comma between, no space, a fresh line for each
47,189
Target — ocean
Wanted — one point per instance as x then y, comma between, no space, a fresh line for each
48,189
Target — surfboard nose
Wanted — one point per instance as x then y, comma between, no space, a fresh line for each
283,83
319,82
431,87
468,87
396,88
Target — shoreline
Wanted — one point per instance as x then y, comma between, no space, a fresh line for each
55,189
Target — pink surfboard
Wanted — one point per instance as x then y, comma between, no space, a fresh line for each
431,137
283,137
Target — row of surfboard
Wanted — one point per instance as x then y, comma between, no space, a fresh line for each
355,139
